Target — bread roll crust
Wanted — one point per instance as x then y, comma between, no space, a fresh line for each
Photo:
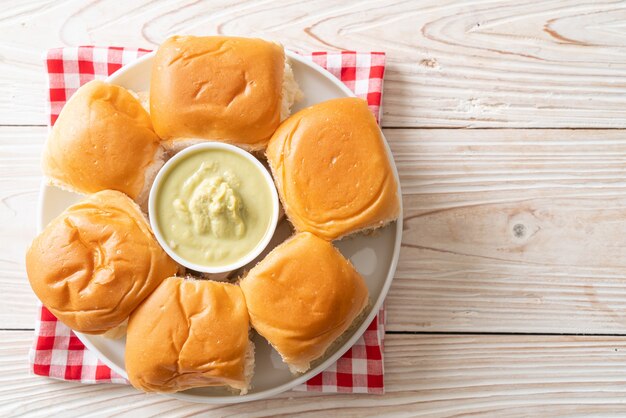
103,139
189,333
332,171
94,263
302,297
217,88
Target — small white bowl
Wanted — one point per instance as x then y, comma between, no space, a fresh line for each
210,145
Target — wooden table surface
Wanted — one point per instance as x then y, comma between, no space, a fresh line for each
506,120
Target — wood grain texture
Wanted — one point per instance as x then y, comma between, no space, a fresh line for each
514,231
474,63
433,376
505,230
20,177
511,231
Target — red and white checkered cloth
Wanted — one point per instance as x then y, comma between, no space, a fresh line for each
58,353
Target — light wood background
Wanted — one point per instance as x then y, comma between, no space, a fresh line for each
510,294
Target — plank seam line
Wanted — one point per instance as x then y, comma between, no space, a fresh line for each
17,329
541,334
506,128
19,125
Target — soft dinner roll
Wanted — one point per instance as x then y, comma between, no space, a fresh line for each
331,169
94,263
291,92
103,139
220,88
190,333
302,297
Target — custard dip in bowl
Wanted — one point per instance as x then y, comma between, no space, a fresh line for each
213,207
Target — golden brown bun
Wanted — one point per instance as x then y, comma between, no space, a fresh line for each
94,263
218,88
302,297
189,333
331,169
103,139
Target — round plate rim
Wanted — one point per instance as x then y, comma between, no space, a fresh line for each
297,380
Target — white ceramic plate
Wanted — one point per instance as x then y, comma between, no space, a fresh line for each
375,256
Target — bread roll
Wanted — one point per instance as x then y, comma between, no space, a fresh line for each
190,333
94,263
331,170
103,139
302,297
217,88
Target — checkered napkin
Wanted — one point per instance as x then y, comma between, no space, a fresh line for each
58,353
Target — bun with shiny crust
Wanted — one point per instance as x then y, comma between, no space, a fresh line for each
217,88
332,171
103,140
96,262
302,297
190,333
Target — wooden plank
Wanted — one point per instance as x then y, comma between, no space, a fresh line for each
462,64
431,376
20,177
511,231
506,230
